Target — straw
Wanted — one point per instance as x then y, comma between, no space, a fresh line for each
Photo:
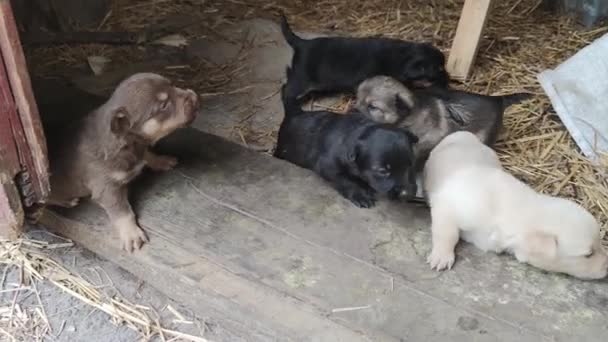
32,324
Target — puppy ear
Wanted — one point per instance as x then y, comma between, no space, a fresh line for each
120,124
410,136
455,114
539,244
353,154
402,106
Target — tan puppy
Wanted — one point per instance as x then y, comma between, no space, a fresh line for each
472,197
100,154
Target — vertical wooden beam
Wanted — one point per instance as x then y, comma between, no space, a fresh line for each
468,35
11,211
32,149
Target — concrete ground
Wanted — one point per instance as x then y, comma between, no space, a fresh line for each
268,252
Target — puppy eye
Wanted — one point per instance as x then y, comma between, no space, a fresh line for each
384,172
371,107
165,105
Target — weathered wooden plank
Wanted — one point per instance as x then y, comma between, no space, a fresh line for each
209,287
33,151
11,212
392,237
272,226
468,35
8,148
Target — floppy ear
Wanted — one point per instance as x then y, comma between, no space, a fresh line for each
353,153
120,124
402,107
455,114
410,136
541,245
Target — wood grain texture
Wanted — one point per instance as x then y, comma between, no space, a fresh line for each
32,147
11,212
245,236
468,36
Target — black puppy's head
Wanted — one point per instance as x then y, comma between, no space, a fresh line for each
383,157
424,67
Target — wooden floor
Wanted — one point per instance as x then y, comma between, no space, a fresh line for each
274,254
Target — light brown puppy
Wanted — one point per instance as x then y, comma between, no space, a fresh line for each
101,153
433,113
472,197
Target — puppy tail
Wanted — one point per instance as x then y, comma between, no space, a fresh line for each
292,39
291,105
511,99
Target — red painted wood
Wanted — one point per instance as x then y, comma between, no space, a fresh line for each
11,212
25,121
8,149
22,143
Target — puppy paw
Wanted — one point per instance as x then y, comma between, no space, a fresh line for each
395,194
132,237
65,203
72,203
162,163
440,260
363,199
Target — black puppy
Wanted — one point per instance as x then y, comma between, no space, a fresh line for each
339,64
356,155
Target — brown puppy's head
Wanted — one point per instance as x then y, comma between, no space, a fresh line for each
384,99
147,105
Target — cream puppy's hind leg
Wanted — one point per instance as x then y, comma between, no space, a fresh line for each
445,236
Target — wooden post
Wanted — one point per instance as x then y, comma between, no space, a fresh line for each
33,152
11,211
468,35
24,177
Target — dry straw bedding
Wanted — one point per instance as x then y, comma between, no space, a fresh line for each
31,323
520,40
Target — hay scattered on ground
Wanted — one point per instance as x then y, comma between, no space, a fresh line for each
520,41
31,324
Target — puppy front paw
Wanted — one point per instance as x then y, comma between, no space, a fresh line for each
73,202
363,198
441,259
65,203
132,237
161,163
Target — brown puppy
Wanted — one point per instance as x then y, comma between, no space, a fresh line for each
101,153
431,114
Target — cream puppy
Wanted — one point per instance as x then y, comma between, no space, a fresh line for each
472,197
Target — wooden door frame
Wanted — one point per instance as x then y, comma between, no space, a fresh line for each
24,168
